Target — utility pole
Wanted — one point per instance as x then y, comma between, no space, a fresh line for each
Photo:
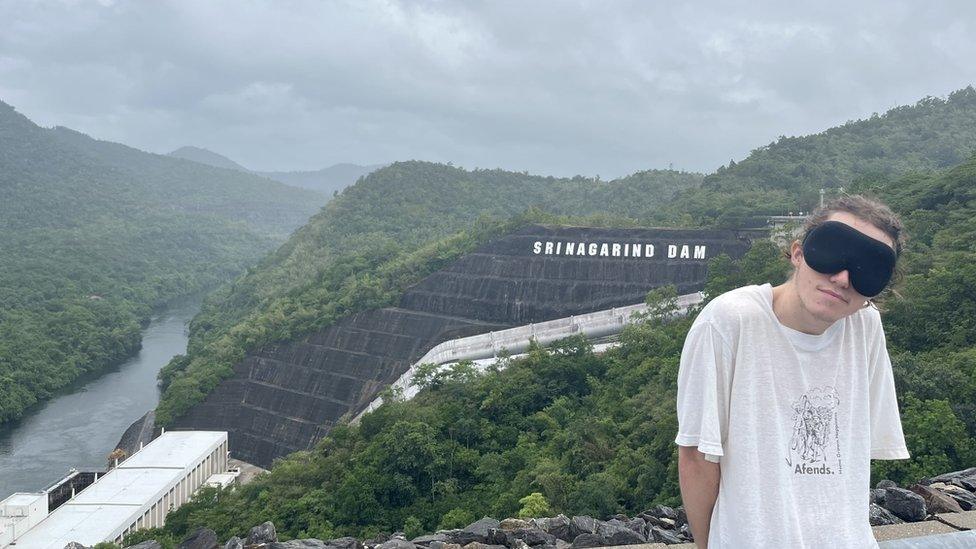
821,196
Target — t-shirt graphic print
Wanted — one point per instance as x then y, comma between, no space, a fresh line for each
815,445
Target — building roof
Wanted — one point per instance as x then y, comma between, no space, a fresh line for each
103,510
129,487
23,498
178,449
86,524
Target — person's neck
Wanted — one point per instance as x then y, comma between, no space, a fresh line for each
791,313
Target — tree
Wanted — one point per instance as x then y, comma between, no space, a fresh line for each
762,263
534,505
936,439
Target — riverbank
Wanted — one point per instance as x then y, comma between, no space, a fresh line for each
82,425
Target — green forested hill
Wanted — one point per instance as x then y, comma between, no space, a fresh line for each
207,157
390,213
594,434
95,234
786,175
177,185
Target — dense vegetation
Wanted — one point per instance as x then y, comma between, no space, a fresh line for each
94,235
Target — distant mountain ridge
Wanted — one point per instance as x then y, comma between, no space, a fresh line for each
205,156
326,181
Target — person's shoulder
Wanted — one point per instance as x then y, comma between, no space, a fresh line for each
728,312
736,304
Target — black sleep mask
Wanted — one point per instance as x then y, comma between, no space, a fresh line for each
834,246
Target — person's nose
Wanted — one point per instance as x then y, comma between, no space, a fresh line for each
842,278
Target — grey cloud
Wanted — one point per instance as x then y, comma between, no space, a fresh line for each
552,87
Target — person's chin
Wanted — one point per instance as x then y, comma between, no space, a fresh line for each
826,308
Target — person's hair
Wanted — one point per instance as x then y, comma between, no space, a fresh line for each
874,212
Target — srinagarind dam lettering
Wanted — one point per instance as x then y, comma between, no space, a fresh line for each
617,249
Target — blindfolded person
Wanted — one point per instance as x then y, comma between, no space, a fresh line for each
786,393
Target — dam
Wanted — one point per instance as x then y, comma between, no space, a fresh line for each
286,396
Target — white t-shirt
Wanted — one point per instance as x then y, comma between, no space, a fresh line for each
793,419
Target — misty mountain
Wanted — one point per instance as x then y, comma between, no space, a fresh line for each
94,235
208,157
326,181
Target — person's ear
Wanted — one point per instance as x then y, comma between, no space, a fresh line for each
796,253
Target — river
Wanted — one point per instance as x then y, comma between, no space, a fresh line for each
82,424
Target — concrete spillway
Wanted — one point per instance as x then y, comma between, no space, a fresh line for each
287,396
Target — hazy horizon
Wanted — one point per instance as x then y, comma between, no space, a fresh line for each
551,88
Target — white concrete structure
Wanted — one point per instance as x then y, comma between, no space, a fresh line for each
515,340
19,513
223,480
137,494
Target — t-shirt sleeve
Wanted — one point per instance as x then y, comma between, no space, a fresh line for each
704,385
887,439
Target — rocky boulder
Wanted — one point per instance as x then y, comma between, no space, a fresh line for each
443,545
477,531
396,543
965,498
344,543
298,544
531,536
660,535
660,511
262,533
582,525
877,495
587,540
590,532
377,539
905,504
965,479
426,540
148,544
535,536
479,545
936,501
558,526
682,519
616,532
202,538
879,516
514,524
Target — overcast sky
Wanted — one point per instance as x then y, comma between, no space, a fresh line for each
558,88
